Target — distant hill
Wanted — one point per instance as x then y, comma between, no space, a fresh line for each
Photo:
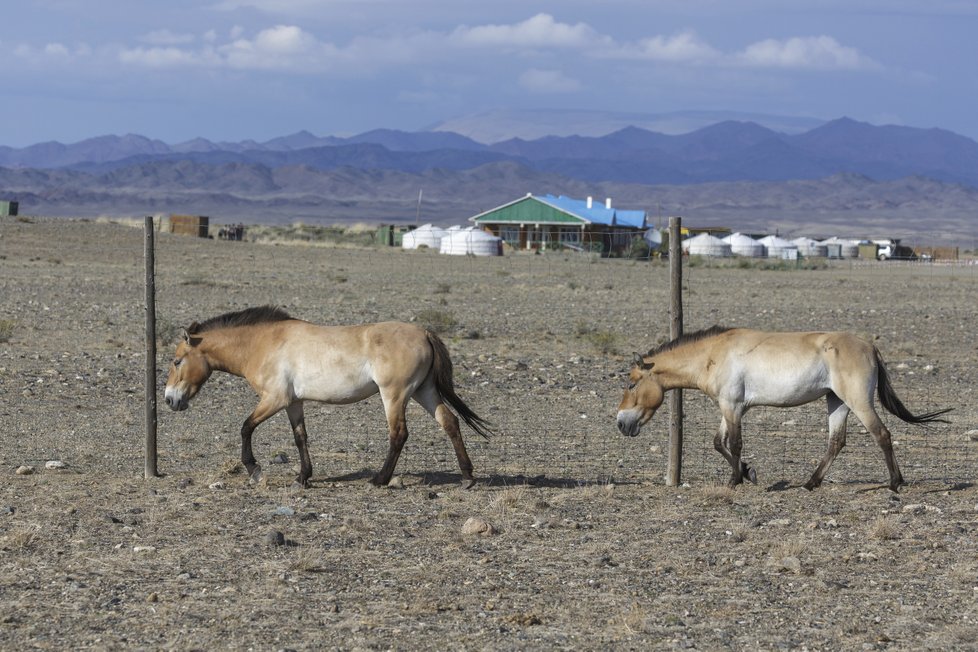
842,171
528,124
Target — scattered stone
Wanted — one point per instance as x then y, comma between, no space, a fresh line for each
397,482
919,508
9,509
971,435
275,538
143,550
153,597
779,522
283,511
478,525
791,563
184,483
280,458
24,470
55,465
216,485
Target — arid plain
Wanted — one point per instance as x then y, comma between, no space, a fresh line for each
586,548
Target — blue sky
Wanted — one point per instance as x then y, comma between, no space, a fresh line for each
240,69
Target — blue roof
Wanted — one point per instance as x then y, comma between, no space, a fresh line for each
597,214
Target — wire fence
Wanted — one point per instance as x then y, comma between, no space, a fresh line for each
540,342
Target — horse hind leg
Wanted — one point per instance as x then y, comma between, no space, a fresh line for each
838,411
874,425
394,406
298,421
427,396
261,413
728,443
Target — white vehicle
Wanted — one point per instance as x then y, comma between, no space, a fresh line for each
885,249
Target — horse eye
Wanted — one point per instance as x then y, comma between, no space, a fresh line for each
631,386
176,362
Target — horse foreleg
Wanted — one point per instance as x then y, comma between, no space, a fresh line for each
298,420
728,443
261,413
397,433
838,412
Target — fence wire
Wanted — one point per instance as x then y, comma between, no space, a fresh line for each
540,343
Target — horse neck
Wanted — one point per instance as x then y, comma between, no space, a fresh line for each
681,368
228,349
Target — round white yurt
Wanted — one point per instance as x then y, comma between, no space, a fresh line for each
841,248
425,235
810,248
705,244
472,241
778,247
744,245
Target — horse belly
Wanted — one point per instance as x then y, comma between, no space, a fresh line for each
333,387
787,387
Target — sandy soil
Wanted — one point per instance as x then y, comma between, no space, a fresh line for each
587,550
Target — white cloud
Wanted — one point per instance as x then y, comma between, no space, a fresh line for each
684,47
166,37
809,52
540,31
548,81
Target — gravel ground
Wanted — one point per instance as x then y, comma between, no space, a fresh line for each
569,541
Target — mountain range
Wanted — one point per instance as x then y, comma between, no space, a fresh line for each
898,178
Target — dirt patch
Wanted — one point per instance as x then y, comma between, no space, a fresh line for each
583,546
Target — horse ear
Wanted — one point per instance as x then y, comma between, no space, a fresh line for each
640,362
188,334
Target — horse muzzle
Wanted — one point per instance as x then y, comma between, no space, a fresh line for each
629,424
177,401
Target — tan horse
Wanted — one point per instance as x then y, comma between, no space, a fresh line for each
288,361
740,368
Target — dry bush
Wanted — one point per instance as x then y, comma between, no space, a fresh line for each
718,494
24,537
884,529
6,329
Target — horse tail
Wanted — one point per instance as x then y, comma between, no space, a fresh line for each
892,402
445,384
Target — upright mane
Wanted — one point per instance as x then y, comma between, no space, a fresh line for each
688,338
246,317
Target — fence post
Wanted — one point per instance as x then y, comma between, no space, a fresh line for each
674,472
150,385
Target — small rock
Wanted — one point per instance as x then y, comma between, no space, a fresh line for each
144,549
971,435
184,483
9,509
397,482
792,564
478,525
280,458
24,470
275,538
216,485
55,465
283,511
918,508
779,522
153,597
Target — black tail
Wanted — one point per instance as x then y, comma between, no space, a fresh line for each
446,387
894,405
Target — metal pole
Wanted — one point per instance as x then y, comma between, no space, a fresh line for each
150,385
674,472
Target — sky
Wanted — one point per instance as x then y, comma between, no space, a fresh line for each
230,70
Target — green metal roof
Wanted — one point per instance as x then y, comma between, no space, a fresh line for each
528,210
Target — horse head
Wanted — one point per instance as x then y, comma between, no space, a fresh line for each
642,398
188,371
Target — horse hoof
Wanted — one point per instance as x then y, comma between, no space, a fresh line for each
298,485
468,483
752,475
811,486
257,478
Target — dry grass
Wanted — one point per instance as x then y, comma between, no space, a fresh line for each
884,529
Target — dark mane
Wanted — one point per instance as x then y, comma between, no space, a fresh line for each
246,317
688,338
